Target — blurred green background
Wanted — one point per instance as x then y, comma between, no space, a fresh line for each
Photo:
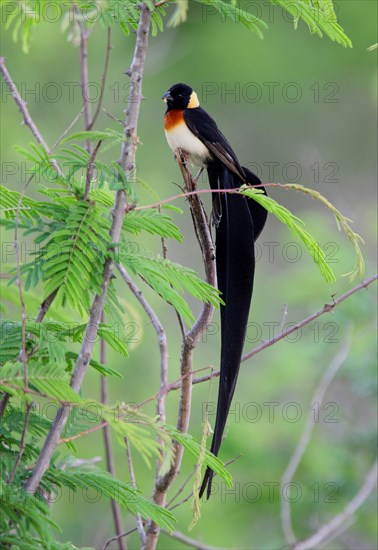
297,109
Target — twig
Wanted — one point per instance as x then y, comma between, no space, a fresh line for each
163,349
118,537
84,79
23,354
22,443
118,120
161,335
190,341
181,489
130,464
126,160
69,127
44,307
90,169
190,542
326,531
191,492
85,432
110,464
284,316
177,384
326,309
304,440
103,79
25,113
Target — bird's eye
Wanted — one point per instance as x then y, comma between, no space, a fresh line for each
179,95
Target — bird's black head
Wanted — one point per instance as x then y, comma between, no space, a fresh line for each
181,96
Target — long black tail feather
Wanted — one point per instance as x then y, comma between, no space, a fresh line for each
240,223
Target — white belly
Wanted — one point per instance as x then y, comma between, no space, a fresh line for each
180,137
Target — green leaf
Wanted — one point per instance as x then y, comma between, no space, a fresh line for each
169,279
106,485
49,380
319,16
92,135
194,448
153,222
238,15
295,225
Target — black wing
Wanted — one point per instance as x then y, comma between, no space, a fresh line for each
205,128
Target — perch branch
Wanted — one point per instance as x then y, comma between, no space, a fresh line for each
190,341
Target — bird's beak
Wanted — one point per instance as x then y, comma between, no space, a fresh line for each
167,97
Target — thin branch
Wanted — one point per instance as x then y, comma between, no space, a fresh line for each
328,308
84,79
161,335
189,496
22,443
110,463
25,113
69,127
103,79
334,525
126,162
304,440
118,120
85,432
90,170
177,384
23,355
130,464
44,307
189,541
181,489
162,483
118,537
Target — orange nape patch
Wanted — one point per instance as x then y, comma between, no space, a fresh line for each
173,118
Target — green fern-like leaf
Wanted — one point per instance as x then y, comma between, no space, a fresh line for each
153,222
106,485
236,14
74,256
11,201
319,16
295,225
49,380
168,279
194,448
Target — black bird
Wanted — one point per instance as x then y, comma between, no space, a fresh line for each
238,220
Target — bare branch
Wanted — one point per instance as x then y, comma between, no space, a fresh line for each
161,335
304,440
325,532
126,162
103,79
22,443
25,113
328,308
65,132
90,170
84,79
189,541
130,464
110,463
